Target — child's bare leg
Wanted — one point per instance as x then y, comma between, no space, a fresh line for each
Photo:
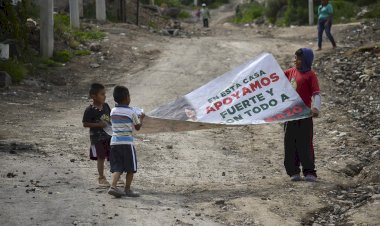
101,167
115,178
128,181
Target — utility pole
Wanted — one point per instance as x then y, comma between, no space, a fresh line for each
101,10
122,11
81,8
46,28
137,12
311,12
74,13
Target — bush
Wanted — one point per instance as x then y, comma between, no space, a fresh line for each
62,56
213,4
344,11
184,14
274,9
374,12
248,13
168,3
62,28
296,12
14,68
13,24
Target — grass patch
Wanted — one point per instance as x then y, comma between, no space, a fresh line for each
83,36
184,14
14,68
248,13
62,56
50,63
63,29
82,52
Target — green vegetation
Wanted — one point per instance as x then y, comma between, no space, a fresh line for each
213,4
49,63
184,14
247,13
83,36
14,30
63,29
13,24
152,24
374,11
62,56
168,3
344,11
82,52
275,9
14,68
295,12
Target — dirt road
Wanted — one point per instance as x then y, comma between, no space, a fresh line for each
231,176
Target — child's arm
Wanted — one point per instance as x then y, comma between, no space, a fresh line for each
140,120
316,105
89,122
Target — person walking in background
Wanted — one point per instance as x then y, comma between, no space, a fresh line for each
205,13
325,16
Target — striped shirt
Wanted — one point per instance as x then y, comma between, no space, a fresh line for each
123,120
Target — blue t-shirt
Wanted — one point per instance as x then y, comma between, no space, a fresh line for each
325,11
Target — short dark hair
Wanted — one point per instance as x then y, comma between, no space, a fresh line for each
299,53
95,88
120,93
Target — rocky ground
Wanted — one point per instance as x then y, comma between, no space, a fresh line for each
352,78
221,176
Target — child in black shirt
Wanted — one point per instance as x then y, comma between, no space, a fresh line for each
96,117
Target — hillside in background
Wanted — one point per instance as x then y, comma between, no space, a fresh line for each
295,12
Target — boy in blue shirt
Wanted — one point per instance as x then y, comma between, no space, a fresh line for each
123,153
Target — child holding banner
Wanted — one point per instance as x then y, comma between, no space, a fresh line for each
299,133
96,117
123,153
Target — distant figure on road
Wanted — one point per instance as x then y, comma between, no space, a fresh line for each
196,14
325,16
205,13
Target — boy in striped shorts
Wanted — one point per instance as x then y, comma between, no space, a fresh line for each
123,153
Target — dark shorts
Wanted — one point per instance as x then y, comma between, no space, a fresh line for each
123,158
100,150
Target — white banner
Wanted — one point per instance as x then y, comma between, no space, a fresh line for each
253,93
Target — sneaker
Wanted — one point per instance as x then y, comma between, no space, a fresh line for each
103,182
295,177
115,192
131,193
311,178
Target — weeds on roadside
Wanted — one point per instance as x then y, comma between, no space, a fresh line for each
15,69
